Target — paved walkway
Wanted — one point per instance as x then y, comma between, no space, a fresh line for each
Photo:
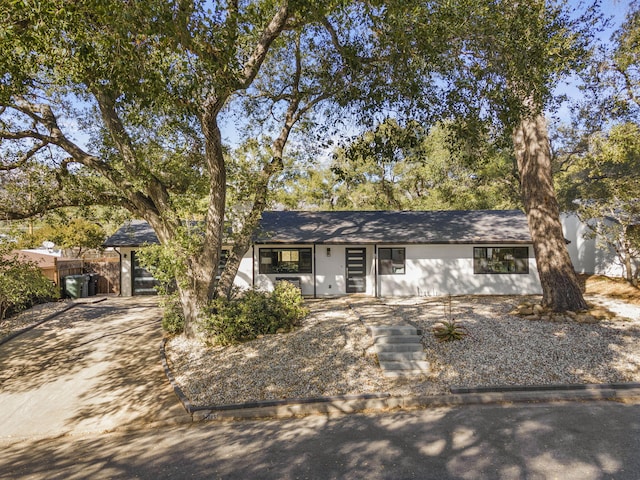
93,368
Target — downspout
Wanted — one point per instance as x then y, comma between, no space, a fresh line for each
314,272
253,265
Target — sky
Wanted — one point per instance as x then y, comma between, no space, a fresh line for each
616,11
613,9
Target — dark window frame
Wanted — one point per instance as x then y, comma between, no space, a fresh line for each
500,260
389,259
278,266
224,256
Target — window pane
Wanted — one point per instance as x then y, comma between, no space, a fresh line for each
501,260
224,255
391,261
305,260
285,260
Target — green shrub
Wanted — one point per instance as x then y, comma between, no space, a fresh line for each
286,303
254,313
22,284
173,317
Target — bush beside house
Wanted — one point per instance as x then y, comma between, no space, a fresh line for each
22,284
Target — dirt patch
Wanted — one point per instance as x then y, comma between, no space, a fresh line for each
611,287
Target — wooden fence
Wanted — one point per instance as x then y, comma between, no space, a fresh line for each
107,269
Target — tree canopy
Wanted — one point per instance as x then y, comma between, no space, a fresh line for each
406,167
123,103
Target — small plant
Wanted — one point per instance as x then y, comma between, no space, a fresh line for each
448,331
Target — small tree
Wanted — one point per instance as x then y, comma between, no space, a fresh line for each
605,181
75,236
616,232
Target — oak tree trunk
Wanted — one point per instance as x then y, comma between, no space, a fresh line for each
560,288
193,304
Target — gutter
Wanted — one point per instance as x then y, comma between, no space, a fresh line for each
375,270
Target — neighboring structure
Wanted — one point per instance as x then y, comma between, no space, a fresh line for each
45,260
376,253
589,255
55,267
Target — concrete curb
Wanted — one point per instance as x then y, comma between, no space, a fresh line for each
358,404
176,388
379,402
547,388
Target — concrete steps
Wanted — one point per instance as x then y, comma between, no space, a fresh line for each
399,350
400,356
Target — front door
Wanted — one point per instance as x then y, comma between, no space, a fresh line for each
356,270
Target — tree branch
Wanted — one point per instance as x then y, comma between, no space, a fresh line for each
24,158
270,33
628,84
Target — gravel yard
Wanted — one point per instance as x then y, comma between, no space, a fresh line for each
30,317
331,354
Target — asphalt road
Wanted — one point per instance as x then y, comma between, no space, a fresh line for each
585,441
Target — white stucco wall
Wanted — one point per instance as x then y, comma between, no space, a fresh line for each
434,270
431,270
588,255
244,278
331,270
125,272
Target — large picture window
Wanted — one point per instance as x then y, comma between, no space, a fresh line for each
285,260
501,260
391,261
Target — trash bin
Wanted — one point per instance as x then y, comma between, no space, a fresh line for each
76,286
93,284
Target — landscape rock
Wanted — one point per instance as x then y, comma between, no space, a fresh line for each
601,313
586,318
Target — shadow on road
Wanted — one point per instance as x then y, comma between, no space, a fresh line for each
581,441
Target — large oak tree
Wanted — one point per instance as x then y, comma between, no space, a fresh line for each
497,65
122,103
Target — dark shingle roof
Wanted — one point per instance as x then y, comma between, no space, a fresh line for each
367,227
132,234
348,227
